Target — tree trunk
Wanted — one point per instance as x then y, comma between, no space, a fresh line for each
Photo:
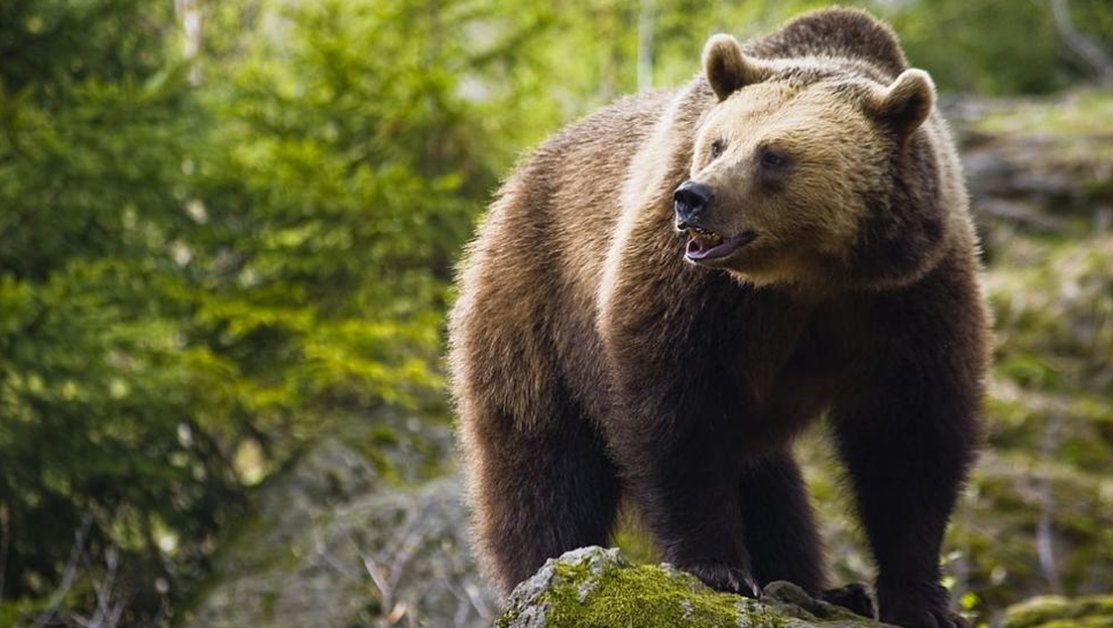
1080,44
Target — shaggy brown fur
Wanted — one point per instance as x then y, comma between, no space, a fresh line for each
591,361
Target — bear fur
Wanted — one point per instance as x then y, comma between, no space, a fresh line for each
604,348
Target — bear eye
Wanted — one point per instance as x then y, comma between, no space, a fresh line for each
772,159
716,148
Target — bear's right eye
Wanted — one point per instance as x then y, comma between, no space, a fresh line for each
716,149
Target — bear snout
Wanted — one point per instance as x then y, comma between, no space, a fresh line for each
689,201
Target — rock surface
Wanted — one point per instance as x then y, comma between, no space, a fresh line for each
1057,612
594,587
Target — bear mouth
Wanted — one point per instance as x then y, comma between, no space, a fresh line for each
704,245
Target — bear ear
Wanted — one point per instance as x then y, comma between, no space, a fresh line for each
727,69
906,102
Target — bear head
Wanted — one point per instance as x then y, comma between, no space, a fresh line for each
813,172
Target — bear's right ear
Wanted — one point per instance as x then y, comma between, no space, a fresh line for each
727,68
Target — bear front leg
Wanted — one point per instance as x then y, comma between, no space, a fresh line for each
685,483
780,532
908,442
677,434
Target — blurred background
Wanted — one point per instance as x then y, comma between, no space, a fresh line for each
227,238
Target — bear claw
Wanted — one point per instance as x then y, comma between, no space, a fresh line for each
723,577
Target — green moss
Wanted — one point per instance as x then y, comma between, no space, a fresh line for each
596,588
649,594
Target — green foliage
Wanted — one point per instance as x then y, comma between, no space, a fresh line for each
204,261
102,399
195,275
947,37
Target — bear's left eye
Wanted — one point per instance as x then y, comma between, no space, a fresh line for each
773,159
716,149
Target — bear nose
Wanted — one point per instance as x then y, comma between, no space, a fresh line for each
689,200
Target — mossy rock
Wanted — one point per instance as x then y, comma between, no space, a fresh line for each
1058,612
594,587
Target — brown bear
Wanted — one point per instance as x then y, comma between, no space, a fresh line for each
667,291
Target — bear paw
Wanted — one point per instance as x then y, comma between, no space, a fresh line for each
853,597
724,577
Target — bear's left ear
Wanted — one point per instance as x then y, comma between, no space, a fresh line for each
906,102
727,68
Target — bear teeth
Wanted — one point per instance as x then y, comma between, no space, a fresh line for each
703,235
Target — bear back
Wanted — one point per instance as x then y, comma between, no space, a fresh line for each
841,32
